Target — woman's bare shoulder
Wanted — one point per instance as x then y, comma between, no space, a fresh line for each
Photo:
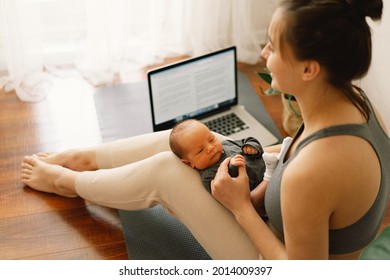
336,173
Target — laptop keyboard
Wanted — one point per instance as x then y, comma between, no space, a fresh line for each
227,124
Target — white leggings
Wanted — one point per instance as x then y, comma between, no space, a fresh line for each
140,172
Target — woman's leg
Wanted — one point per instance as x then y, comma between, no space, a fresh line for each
164,179
112,154
125,151
129,150
108,155
151,179
44,171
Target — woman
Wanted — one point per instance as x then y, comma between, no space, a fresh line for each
330,185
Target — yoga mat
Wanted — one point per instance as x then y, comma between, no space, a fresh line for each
152,234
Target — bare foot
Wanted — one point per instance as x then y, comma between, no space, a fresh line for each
51,157
71,159
49,178
44,155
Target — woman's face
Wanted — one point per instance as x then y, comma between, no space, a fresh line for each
281,63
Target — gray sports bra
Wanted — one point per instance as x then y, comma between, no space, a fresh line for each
361,233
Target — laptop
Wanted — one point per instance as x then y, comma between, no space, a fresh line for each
203,88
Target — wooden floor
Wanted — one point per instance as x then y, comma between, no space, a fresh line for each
36,225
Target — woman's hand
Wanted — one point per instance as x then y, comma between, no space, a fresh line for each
233,193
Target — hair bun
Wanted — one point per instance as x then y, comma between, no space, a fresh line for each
369,8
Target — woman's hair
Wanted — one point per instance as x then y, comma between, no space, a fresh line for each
334,33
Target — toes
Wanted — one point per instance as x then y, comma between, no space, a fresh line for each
26,166
25,176
26,172
31,160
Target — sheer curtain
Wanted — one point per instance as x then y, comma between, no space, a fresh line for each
107,39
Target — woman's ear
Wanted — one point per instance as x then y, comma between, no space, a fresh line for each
311,70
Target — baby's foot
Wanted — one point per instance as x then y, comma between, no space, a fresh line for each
49,178
271,160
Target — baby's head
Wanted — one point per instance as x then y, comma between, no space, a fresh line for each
195,144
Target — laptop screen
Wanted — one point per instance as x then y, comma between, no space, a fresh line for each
194,88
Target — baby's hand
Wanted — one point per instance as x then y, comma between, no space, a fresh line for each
235,162
249,150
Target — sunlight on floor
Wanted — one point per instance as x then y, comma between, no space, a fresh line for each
68,112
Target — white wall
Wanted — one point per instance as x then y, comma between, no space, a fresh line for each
377,82
261,13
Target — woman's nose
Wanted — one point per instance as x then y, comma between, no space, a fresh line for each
265,52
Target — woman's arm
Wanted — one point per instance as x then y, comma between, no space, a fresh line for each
234,194
257,198
305,209
266,242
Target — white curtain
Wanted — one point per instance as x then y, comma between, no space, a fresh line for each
113,39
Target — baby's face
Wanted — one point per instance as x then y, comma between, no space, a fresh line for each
202,148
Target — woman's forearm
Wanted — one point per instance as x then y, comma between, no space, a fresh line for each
267,243
257,197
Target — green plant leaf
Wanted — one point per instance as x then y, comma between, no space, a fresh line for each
272,91
265,76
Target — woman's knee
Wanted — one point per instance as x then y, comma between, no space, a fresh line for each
167,159
171,164
174,173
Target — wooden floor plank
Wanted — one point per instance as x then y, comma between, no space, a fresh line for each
92,227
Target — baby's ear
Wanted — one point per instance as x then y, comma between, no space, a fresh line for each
187,162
